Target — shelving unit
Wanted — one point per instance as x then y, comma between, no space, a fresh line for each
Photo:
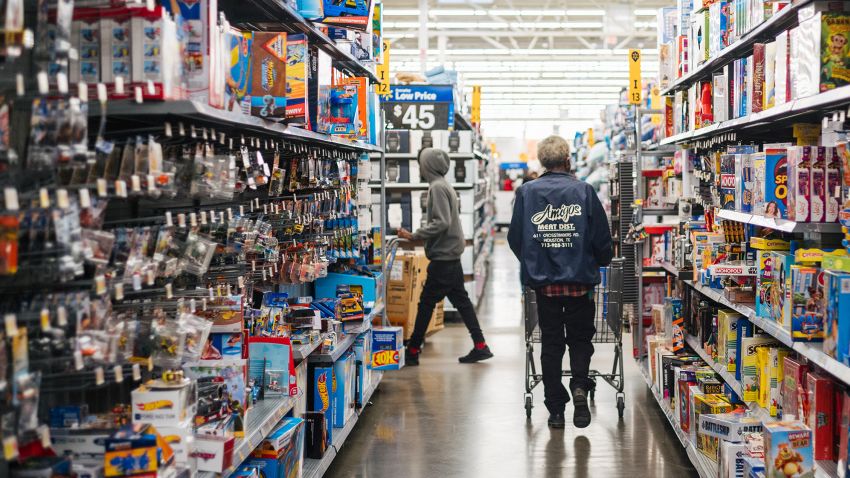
812,105
260,421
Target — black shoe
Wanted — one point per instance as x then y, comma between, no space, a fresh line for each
476,355
557,420
581,415
410,359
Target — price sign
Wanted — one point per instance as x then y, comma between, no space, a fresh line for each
634,77
422,107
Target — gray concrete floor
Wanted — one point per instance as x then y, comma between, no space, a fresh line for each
444,419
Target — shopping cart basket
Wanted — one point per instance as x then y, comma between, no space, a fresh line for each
608,320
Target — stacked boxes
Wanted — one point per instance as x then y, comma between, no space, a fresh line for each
404,286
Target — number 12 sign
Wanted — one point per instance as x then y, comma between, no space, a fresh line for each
425,107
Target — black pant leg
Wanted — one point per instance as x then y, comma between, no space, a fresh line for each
460,299
433,292
580,313
550,316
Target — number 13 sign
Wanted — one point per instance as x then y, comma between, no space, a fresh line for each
634,77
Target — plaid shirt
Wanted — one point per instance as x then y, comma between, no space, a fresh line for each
565,290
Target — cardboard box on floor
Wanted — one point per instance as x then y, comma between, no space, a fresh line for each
404,286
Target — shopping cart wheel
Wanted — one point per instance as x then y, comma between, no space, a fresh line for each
528,405
621,404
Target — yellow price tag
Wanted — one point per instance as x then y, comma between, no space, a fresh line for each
634,77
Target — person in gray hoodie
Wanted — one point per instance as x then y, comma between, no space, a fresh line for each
444,244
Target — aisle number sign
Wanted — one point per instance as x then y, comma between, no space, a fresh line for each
634,77
383,71
476,105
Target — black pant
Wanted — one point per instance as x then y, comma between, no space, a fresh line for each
565,321
445,279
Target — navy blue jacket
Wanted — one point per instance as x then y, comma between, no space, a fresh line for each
559,231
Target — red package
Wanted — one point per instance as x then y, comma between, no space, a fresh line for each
793,387
821,416
843,425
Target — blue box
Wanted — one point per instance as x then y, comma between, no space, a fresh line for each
324,394
744,329
281,454
387,348
837,305
807,314
362,350
69,416
371,287
346,377
776,183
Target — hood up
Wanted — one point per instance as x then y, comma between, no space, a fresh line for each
433,164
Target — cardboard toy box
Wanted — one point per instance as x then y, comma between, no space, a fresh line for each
135,449
776,183
268,76
731,459
730,427
807,311
362,348
821,60
749,376
164,405
281,454
387,348
346,384
323,392
764,281
370,287
788,450
793,385
315,436
837,306
727,326
708,405
821,419
213,453
780,291
398,141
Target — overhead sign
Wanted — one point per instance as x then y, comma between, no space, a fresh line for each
424,107
383,71
476,105
634,77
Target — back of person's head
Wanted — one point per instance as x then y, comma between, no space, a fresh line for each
554,153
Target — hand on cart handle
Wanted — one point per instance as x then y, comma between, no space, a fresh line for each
404,234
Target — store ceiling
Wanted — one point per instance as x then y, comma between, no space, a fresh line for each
535,60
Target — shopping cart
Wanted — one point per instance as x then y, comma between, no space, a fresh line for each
608,319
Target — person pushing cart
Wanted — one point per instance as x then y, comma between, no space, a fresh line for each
560,234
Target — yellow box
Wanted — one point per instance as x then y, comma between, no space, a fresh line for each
727,325
711,404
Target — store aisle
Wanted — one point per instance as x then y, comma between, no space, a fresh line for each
444,419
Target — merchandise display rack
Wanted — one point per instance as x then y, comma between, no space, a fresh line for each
720,156
173,122
481,239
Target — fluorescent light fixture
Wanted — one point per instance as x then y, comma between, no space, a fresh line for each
401,12
585,13
496,25
521,53
646,12
549,82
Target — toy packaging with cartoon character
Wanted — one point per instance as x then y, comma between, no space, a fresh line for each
350,14
268,75
764,282
788,450
807,314
819,47
776,183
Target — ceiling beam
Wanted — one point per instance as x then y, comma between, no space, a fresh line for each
523,34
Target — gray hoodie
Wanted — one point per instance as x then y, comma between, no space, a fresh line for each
442,233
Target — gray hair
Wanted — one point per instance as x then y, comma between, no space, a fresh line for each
554,153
